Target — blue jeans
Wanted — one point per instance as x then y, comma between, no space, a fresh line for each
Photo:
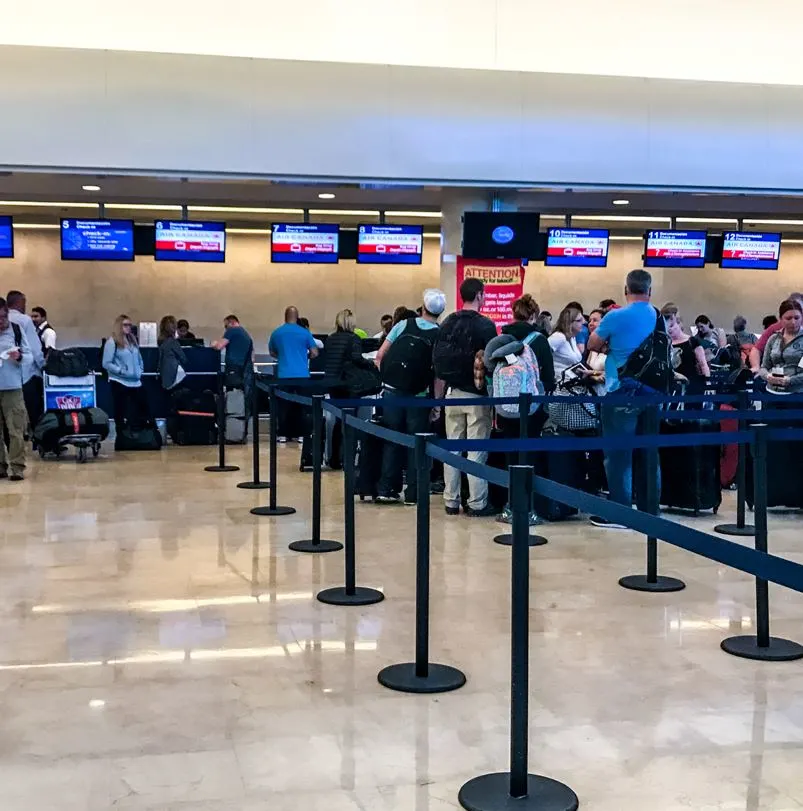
626,419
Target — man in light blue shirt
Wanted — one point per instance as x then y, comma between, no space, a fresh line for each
14,348
33,362
620,333
293,346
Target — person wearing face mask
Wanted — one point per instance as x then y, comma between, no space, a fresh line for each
122,361
782,364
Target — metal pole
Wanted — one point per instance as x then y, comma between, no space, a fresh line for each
351,594
741,527
273,507
349,439
255,483
221,466
316,544
762,646
760,512
653,496
521,479
422,469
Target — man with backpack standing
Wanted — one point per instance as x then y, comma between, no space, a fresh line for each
638,364
33,362
405,361
463,336
13,349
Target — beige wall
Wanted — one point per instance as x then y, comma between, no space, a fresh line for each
83,298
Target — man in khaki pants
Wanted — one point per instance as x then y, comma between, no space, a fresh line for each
461,337
13,415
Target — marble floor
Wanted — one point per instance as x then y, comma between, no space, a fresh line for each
162,650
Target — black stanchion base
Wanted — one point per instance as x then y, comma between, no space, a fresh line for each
439,678
361,596
221,468
747,647
313,546
273,510
491,792
507,540
254,485
747,531
639,582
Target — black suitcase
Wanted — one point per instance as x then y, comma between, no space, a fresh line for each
57,425
784,476
562,467
690,478
193,418
138,437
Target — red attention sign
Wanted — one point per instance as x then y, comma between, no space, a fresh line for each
504,283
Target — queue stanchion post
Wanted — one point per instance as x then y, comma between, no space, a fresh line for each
273,508
255,483
518,789
221,466
762,646
525,403
740,528
316,544
652,581
422,676
351,593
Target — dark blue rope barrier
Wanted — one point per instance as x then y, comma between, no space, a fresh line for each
293,398
333,409
765,415
759,564
476,469
614,399
366,427
785,434
625,442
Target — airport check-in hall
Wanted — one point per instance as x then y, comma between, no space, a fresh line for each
401,407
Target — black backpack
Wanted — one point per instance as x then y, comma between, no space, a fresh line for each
407,365
651,363
454,351
66,363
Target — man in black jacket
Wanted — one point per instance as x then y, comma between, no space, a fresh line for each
462,336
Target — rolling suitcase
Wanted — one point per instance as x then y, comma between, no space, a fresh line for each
563,467
690,475
193,419
236,422
142,436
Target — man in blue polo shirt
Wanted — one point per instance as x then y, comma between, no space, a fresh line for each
620,333
293,346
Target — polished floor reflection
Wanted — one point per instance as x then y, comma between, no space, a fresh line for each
161,650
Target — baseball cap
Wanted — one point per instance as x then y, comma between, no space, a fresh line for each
434,300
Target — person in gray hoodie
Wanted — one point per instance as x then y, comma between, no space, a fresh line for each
122,361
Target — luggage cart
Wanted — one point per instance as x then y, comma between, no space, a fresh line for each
70,394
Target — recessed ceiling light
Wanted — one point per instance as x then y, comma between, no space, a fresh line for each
91,188
621,202
326,195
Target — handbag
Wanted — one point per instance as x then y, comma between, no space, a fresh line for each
573,416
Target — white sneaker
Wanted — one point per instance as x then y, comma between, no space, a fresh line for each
603,523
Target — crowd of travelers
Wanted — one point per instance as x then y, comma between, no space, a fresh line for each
610,349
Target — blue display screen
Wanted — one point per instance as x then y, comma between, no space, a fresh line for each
98,240
390,244
578,247
304,242
185,241
6,238
675,249
747,250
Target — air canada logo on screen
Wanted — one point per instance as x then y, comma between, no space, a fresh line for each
502,234
68,402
